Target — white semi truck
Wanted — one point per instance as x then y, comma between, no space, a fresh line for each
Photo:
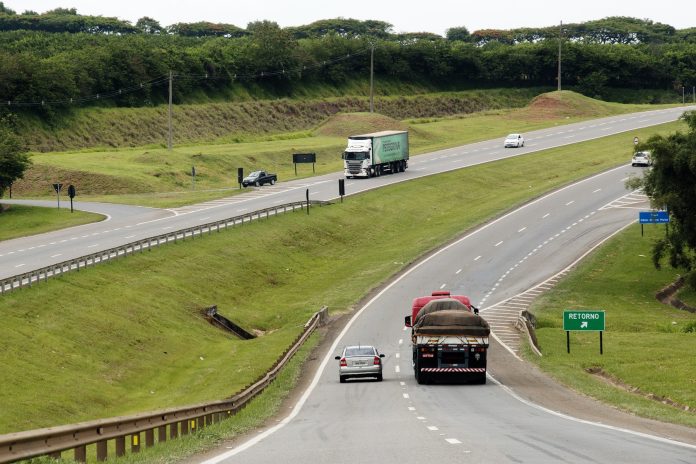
371,155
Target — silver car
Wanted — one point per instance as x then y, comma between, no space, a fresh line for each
359,361
641,158
514,141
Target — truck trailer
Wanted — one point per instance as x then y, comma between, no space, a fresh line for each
371,155
448,338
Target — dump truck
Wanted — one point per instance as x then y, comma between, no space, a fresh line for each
371,155
449,339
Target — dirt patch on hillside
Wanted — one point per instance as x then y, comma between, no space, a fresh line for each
559,105
345,124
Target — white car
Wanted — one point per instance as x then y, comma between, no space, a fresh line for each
514,140
641,158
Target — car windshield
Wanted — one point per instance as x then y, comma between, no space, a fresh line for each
360,351
255,174
358,156
512,136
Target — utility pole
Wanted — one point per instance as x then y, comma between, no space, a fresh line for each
372,73
560,40
169,138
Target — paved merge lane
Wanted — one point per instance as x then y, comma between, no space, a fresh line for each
22,255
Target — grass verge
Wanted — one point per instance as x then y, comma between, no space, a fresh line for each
21,221
646,344
149,347
259,410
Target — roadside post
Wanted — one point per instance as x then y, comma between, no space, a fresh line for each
304,158
240,177
584,321
193,177
653,217
57,188
307,193
635,140
71,194
341,188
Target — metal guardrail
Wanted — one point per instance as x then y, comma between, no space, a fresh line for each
26,279
164,424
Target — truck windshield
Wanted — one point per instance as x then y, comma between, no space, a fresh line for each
357,156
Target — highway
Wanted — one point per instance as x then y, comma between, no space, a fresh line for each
128,223
398,420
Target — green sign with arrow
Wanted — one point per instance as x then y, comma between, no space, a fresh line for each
591,321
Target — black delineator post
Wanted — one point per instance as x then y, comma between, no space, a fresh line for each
601,346
568,340
307,193
240,176
341,188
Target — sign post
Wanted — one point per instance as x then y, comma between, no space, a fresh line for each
57,188
240,177
71,194
584,321
341,188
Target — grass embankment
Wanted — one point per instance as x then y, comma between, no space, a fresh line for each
245,119
20,221
130,335
157,177
647,345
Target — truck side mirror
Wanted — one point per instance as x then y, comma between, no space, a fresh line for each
338,358
476,310
407,321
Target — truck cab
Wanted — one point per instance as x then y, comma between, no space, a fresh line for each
357,159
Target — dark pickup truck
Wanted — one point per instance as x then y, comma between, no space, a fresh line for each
258,178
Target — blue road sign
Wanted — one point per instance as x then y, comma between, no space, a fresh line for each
653,217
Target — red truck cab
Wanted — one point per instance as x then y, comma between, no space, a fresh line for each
421,301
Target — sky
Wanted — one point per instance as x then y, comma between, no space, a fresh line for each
405,15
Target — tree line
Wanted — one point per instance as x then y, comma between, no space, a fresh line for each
60,58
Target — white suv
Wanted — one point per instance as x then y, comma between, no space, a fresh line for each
641,158
514,140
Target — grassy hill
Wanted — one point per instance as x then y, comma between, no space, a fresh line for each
155,176
246,120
